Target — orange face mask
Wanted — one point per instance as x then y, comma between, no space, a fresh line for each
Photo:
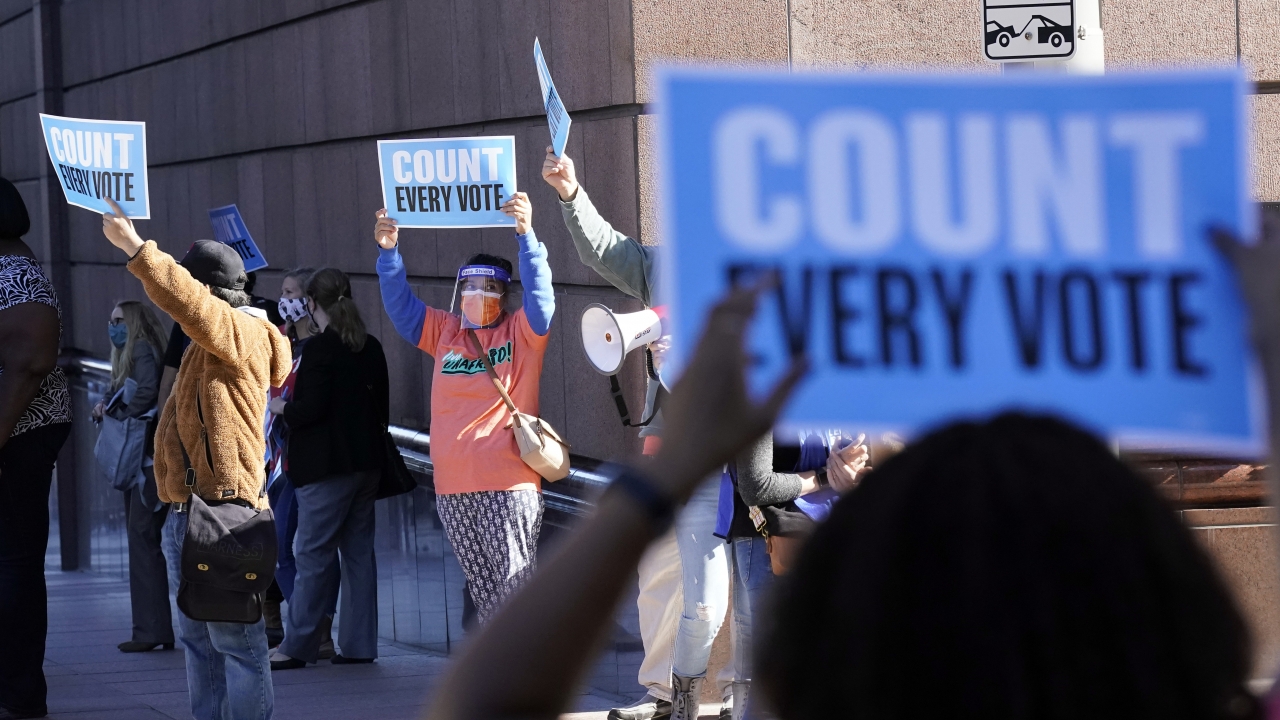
481,308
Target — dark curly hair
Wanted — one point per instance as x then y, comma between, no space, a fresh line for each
14,220
1007,569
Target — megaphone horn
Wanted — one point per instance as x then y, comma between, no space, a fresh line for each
607,336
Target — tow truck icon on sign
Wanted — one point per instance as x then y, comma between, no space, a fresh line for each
1016,30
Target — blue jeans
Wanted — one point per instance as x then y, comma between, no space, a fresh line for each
228,667
752,575
705,570
335,527
286,511
285,506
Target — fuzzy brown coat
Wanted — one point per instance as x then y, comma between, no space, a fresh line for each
233,358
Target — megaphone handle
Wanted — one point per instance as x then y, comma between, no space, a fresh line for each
493,376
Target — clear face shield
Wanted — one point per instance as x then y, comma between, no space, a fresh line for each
478,293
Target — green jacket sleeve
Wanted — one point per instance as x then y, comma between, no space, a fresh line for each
621,260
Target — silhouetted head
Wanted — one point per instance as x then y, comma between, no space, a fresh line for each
1007,569
14,220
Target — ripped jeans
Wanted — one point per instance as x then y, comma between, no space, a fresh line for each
705,568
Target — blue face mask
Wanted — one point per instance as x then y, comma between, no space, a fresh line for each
119,334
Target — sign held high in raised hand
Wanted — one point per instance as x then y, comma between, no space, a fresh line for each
99,159
948,245
558,119
448,182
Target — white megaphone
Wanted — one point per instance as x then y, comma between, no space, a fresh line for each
607,336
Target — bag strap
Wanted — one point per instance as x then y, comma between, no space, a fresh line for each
493,376
615,389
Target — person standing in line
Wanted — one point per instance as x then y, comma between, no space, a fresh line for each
299,327
337,419
684,575
771,497
35,420
178,340
137,342
489,501
215,412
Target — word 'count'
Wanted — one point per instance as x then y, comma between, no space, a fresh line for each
867,179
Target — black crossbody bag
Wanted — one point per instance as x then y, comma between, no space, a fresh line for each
228,555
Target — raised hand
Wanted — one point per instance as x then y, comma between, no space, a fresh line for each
119,230
710,417
386,231
519,208
1258,268
559,174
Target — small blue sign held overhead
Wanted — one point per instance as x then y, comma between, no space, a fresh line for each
557,117
99,159
948,246
229,228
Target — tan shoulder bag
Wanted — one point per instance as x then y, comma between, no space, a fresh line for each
540,447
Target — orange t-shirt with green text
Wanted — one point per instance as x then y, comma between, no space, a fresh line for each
471,446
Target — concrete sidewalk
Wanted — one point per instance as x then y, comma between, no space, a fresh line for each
89,679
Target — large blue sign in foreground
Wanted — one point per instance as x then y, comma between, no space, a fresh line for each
97,159
448,182
950,246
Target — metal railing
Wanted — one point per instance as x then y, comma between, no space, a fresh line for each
565,500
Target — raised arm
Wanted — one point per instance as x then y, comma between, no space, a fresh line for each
1258,269
530,660
406,311
209,322
28,353
620,259
535,273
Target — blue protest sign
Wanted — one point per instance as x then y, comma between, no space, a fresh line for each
229,228
558,119
955,245
97,159
448,182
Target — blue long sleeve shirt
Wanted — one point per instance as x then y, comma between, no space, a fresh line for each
408,313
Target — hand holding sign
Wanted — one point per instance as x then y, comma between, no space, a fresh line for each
119,230
559,173
385,231
519,208
448,182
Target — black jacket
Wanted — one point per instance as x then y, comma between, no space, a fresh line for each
339,410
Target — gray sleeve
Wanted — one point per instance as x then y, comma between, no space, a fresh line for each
146,373
621,260
758,484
